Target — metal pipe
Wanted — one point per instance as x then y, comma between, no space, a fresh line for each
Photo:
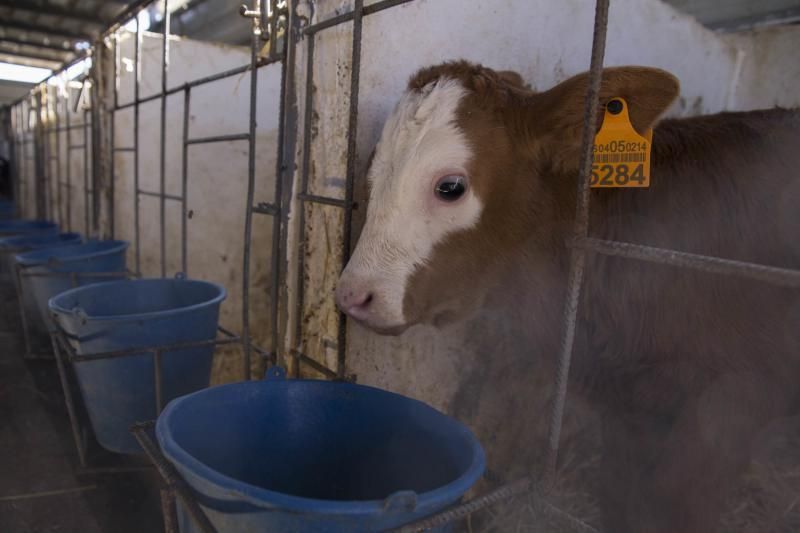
171,477
220,138
301,241
336,202
352,130
187,95
159,383
137,74
251,173
68,399
86,176
163,167
580,231
766,274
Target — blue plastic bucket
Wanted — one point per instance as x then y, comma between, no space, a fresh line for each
129,314
26,227
9,246
316,456
24,243
58,263
7,209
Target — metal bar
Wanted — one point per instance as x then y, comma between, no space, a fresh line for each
73,126
345,17
220,138
75,358
69,400
163,168
352,130
168,511
580,230
301,241
767,274
264,208
191,84
159,382
305,197
187,97
74,276
123,148
288,143
86,178
520,487
59,201
171,477
22,314
113,171
174,197
300,357
69,163
137,74
251,174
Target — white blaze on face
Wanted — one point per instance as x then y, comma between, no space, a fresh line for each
420,143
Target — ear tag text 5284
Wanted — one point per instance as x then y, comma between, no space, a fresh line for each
621,155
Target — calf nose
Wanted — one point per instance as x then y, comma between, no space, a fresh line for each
354,301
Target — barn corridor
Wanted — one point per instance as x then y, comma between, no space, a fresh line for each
41,490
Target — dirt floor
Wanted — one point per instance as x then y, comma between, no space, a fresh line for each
42,489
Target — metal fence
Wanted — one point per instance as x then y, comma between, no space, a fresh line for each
267,19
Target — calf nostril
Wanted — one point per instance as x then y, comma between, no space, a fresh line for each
367,300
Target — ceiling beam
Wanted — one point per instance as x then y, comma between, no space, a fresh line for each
53,10
46,30
31,55
35,44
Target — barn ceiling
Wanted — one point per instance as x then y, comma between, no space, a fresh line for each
48,33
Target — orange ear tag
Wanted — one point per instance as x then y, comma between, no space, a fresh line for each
621,155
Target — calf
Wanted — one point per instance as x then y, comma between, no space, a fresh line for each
472,194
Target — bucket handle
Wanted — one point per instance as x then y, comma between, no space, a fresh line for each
275,373
401,501
80,314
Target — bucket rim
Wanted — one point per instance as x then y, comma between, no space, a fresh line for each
20,241
268,499
32,258
27,223
54,307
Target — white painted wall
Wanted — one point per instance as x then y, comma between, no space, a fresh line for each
217,173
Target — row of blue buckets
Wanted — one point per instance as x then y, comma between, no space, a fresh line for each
270,455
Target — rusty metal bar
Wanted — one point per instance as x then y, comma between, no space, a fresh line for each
171,478
580,230
352,129
220,138
346,17
168,511
301,241
321,200
767,274
163,160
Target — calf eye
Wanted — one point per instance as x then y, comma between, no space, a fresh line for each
451,188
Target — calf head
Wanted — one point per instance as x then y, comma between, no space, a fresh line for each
473,171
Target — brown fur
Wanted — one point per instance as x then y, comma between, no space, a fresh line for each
685,366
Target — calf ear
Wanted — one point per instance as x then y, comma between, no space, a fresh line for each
556,116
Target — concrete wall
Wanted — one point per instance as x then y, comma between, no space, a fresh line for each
217,173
